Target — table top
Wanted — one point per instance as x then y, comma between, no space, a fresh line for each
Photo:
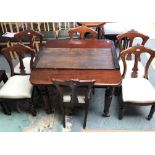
76,68
75,58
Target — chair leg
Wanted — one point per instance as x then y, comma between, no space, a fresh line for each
151,112
18,107
32,110
122,111
117,91
6,108
85,117
63,114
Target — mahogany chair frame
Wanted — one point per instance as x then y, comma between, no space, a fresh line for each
74,84
136,51
82,30
20,49
125,40
31,34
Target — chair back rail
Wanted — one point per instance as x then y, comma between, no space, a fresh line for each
137,51
74,85
82,30
31,34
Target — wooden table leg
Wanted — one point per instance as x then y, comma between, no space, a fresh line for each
51,97
45,98
108,99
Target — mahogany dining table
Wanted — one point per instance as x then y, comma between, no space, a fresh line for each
78,59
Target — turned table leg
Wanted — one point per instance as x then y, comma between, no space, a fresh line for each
45,98
108,99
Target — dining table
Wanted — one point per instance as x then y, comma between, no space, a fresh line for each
77,59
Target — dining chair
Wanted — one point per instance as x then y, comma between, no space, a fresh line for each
126,40
137,91
84,31
28,37
18,87
79,94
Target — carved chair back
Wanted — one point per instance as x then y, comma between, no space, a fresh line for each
74,85
136,51
82,30
30,35
126,40
20,50
74,99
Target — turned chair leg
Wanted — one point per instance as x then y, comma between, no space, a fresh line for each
117,91
151,112
63,114
32,109
122,111
85,117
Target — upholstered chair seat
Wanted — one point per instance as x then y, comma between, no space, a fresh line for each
137,90
17,87
67,98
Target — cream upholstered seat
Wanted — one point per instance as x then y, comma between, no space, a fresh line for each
137,90
67,98
17,87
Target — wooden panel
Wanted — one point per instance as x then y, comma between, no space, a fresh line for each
76,58
102,77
